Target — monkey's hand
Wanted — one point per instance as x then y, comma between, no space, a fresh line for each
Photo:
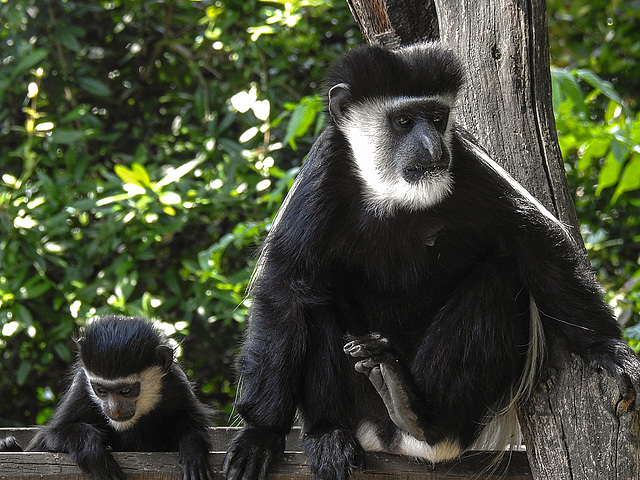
617,358
10,444
251,454
333,455
195,464
99,465
389,378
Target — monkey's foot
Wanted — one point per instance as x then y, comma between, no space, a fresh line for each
388,377
333,455
251,454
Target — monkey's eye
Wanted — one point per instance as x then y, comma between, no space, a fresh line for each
126,392
99,391
440,119
403,121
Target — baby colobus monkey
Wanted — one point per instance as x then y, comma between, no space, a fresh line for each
404,251
128,394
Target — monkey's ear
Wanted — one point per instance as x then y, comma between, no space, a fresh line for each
165,355
339,97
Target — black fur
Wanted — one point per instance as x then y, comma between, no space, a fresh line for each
448,288
374,72
107,358
114,347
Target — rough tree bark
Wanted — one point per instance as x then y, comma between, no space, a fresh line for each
575,425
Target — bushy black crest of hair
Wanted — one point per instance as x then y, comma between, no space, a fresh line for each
417,70
115,346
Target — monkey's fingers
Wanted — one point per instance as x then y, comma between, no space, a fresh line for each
247,466
208,473
365,365
617,358
251,454
10,444
333,455
100,465
197,470
366,345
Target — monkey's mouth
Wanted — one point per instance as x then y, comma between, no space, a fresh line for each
418,171
121,417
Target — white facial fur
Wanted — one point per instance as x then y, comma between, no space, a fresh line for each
150,392
362,126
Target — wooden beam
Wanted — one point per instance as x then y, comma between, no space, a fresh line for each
293,465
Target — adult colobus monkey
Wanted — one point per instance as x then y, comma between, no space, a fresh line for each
403,245
128,394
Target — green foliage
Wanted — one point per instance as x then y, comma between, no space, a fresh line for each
146,146
600,139
145,149
596,47
602,36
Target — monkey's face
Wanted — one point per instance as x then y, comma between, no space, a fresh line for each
124,400
401,148
118,400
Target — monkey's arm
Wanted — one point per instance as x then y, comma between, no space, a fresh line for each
75,428
269,365
192,430
570,302
552,266
194,446
286,291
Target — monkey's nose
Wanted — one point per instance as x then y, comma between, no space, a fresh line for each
120,415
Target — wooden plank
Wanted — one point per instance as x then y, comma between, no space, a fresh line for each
293,465
221,437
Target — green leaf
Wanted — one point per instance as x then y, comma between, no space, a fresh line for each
63,352
177,173
610,172
22,314
23,372
141,174
596,82
566,86
125,285
136,175
67,38
630,179
66,137
294,123
29,61
33,288
594,149
94,86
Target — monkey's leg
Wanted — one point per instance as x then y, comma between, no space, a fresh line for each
389,377
270,366
465,366
327,405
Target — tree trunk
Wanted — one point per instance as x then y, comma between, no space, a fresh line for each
575,426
